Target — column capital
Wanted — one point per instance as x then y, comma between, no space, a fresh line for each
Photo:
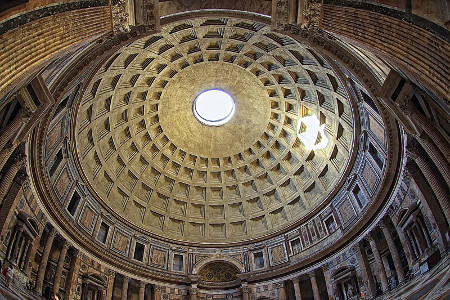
296,279
157,288
424,137
65,245
126,278
369,237
312,273
279,285
411,169
356,247
21,177
413,148
25,113
325,266
20,226
407,107
382,224
52,232
111,273
142,284
9,145
18,157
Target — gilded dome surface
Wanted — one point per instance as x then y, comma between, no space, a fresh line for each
154,164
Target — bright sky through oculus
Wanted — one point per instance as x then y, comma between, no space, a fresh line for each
311,133
214,107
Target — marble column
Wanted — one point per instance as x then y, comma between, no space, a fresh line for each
125,282
110,287
405,244
10,201
11,241
28,257
7,179
141,290
420,121
439,160
393,250
7,133
72,279
59,267
245,291
378,263
298,294
44,260
430,207
194,291
430,175
328,281
5,153
15,250
364,266
315,287
157,289
281,290
23,255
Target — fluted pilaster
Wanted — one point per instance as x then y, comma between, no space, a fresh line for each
141,290
125,282
110,287
281,290
245,291
328,282
15,247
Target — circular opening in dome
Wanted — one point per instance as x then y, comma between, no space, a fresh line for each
213,107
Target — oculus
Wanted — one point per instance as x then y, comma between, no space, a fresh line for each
213,107
311,133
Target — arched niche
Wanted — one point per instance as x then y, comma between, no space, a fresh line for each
218,271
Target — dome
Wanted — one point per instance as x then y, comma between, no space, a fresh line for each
152,163
242,150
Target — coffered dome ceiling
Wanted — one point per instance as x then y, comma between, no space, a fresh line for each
153,163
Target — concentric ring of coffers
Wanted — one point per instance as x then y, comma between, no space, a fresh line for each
149,162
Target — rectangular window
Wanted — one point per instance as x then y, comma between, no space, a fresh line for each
258,258
139,251
177,264
296,246
33,95
73,204
331,224
398,89
359,195
61,106
9,113
56,162
379,159
102,234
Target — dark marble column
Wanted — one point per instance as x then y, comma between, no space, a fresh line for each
44,260
378,263
394,252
